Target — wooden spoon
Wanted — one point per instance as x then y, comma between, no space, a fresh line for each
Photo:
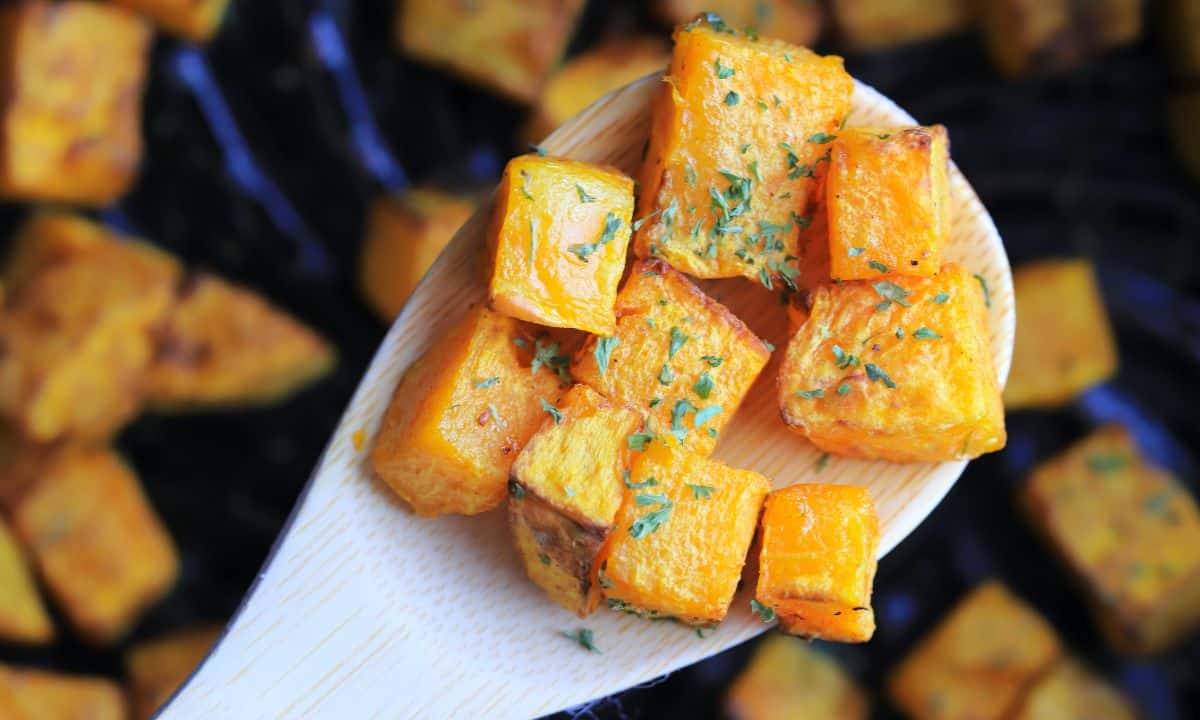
365,610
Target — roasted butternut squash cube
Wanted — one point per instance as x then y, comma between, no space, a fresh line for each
796,21
20,465
817,562
1064,343
27,694
461,414
878,24
1069,692
681,536
224,345
898,369
888,202
509,46
72,102
567,486
1025,36
101,550
558,237
979,661
787,679
1181,36
193,19
156,668
23,618
678,356
82,307
1129,531
592,74
739,136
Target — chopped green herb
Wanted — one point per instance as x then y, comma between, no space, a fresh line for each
723,73
678,413
689,176
544,558
878,266
769,346
701,492
643,499
584,197
941,298
1106,463
520,343
844,359
713,360
762,106
546,353
753,165
703,386
821,463
924,333
584,637
525,185
639,441
612,224
648,482
541,152
603,351
515,489
495,414
655,401
987,294
650,522
665,376
821,138
892,292
810,394
843,389
637,224
708,413
554,412
899,333
486,383
732,98
532,240
856,251
767,614
678,338
765,278
874,372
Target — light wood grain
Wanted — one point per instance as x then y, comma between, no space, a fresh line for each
365,610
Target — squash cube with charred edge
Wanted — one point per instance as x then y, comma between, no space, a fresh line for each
223,345
787,679
817,563
23,618
28,694
796,21
1129,531
1064,343
97,543
509,46
195,20
897,370
558,238
979,662
405,234
678,356
157,667
82,307
1071,691
878,24
681,536
71,102
463,411
888,202
567,488
739,137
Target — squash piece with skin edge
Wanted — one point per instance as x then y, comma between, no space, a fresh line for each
567,486
817,561
462,412
28,694
898,369
196,20
788,679
157,667
558,239
1070,691
23,618
738,140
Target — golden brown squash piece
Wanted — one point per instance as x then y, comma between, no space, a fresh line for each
1071,692
567,486
509,46
787,679
1129,531
898,369
27,694
405,234
591,75
1025,36
558,238
157,667
739,136
678,356
888,201
196,20
681,536
463,411
979,662
224,345
100,548
1064,343
71,100
83,304
817,562
795,21
879,24
23,618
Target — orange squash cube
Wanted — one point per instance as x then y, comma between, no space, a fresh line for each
796,21
72,102
23,618
681,536
888,201
82,307
102,552
878,24
897,369
193,19
567,486
27,694
1129,531
558,237
223,345
678,356
1031,36
405,234
461,414
740,133
979,662
788,679
509,46
817,562
156,668
1071,691
1064,343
